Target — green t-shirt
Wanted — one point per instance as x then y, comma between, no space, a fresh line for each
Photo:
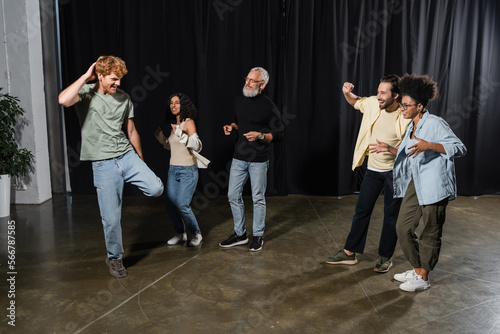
101,119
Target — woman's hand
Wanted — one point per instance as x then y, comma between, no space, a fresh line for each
423,145
419,147
157,132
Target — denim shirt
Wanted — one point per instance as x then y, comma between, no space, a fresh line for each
433,172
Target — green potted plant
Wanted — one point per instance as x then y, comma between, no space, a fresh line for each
14,161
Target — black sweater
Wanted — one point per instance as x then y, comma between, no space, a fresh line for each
256,114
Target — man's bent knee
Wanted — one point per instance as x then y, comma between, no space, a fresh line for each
156,190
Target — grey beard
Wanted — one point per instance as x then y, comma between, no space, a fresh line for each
253,93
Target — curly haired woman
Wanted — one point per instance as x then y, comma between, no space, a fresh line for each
184,143
424,175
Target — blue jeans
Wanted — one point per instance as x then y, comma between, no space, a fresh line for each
238,176
373,184
109,178
181,184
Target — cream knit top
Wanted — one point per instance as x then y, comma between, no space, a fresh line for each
180,154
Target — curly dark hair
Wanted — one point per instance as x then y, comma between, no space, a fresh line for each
421,88
188,110
393,79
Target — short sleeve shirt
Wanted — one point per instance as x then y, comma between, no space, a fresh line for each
101,119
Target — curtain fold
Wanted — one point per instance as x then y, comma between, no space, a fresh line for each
310,48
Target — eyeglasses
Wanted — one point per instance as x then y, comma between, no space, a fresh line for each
406,106
252,81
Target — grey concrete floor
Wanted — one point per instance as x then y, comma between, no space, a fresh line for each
62,284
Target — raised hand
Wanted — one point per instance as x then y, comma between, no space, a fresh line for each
347,87
90,74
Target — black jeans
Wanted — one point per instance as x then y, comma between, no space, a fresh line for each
373,185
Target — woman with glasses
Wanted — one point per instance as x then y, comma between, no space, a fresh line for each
424,175
184,143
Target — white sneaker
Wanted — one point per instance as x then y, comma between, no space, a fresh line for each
177,239
196,240
414,284
407,275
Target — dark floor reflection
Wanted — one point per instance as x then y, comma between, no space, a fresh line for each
62,284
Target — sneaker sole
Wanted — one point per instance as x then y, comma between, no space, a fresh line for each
117,275
237,243
400,280
258,249
414,290
193,245
349,262
383,271
180,242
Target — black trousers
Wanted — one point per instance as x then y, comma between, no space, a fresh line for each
374,183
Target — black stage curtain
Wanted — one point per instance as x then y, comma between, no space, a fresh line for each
205,48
